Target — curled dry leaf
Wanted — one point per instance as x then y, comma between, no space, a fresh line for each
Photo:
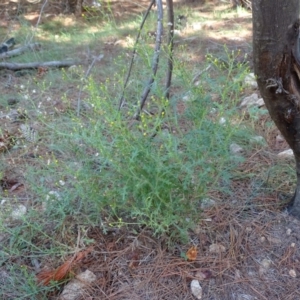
45,276
192,253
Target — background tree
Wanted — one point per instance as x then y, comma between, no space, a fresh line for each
276,64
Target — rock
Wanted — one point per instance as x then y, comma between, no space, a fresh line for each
280,138
252,100
260,102
216,248
292,273
75,287
235,148
266,263
222,121
264,267
187,97
258,139
250,80
286,154
207,203
18,212
196,289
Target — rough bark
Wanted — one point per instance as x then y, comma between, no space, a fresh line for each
276,65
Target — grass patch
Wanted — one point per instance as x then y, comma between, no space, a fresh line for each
102,169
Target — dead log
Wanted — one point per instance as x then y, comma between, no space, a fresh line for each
21,50
35,65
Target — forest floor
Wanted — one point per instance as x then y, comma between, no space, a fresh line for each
244,246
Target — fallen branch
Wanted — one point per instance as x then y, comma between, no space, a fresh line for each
35,65
21,50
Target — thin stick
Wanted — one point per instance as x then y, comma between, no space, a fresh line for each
159,33
121,102
170,44
38,21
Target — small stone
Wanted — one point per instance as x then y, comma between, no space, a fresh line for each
187,97
213,111
19,212
288,231
53,195
249,101
286,154
258,139
260,102
196,289
75,287
222,121
252,100
292,273
235,148
265,265
279,138
207,203
216,248
250,80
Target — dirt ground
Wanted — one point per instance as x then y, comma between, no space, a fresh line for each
247,246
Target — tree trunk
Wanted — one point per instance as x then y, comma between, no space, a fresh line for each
276,65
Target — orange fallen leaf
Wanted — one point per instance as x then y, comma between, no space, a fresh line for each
192,253
45,276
